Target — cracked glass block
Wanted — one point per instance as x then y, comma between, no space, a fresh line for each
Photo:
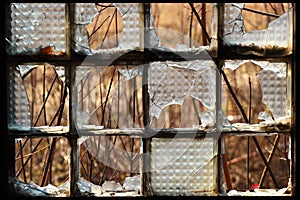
37,96
274,39
108,97
109,161
273,81
269,90
36,28
18,104
183,166
106,27
171,83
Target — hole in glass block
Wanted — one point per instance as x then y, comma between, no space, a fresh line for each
236,152
47,95
171,83
257,16
41,167
183,26
105,29
111,162
108,98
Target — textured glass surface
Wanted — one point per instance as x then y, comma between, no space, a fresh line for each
131,25
183,166
18,104
172,82
37,28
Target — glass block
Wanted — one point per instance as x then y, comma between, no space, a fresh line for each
170,83
269,95
274,39
183,166
112,162
116,30
108,97
18,105
37,28
37,97
38,175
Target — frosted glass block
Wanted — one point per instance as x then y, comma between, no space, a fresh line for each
37,28
171,82
273,82
183,166
18,105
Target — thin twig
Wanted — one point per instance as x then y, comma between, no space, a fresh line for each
265,161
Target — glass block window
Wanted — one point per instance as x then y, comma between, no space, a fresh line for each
150,99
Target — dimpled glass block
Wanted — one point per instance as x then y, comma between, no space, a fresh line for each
35,26
183,166
130,37
171,82
18,105
273,82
